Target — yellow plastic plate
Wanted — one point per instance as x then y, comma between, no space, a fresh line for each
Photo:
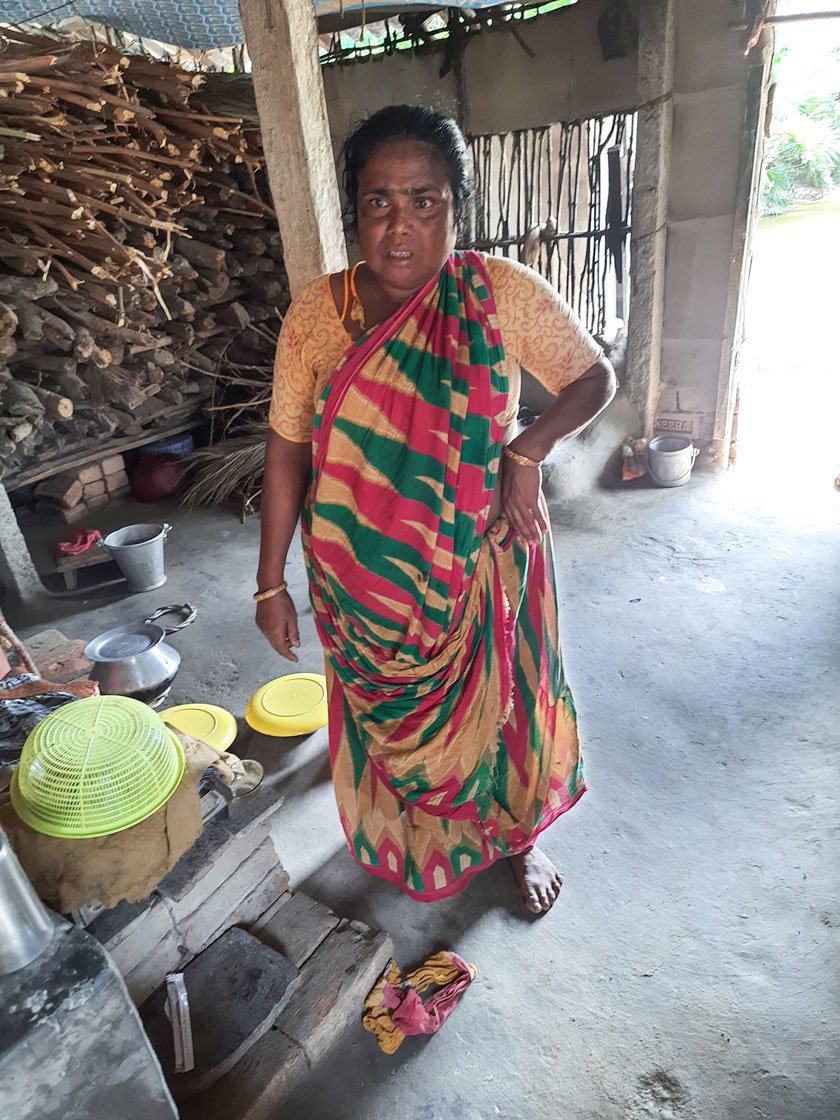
208,722
292,705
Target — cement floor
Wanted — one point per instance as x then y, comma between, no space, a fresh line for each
689,970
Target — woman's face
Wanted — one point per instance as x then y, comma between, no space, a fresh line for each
406,215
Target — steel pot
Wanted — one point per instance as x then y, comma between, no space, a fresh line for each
135,661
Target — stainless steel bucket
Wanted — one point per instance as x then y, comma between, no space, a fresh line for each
138,551
26,928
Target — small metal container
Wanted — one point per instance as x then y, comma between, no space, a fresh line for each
26,928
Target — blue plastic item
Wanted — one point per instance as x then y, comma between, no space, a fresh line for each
175,445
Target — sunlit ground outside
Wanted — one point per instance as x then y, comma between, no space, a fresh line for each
788,446
788,440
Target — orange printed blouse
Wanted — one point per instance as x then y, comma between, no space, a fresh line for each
541,334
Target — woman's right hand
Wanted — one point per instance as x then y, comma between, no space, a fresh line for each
277,619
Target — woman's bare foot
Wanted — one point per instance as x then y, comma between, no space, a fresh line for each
538,880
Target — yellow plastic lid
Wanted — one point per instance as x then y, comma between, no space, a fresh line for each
208,722
292,705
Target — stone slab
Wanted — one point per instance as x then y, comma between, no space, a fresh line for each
706,153
71,1044
327,999
236,989
697,278
296,926
213,845
233,901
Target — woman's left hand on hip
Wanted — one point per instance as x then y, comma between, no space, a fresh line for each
523,501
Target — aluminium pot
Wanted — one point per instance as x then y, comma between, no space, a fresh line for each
135,661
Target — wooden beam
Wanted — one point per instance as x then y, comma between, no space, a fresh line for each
87,452
282,40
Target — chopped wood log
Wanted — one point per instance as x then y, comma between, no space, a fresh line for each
26,288
101,328
203,256
58,332
8,320
213,287
118,387
86,350
21,400
234,315
251,245
117,351
40,363
30,322
19,432
71,385
56,407
139,205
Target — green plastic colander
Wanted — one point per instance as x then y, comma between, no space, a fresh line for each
95,767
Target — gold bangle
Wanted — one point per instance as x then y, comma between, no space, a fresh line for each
522,460
269,593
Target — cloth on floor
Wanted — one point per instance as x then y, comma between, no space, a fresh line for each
128,865
26,699
81,541
394,1010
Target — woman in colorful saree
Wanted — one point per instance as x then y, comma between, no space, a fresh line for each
393,432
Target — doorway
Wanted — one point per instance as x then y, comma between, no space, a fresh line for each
786,440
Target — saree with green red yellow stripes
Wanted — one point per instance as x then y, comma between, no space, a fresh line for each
452,731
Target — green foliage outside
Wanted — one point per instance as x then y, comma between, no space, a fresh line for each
802,157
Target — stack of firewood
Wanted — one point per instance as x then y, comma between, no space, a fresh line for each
140,261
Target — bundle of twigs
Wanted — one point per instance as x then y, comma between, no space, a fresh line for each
141,261
230,471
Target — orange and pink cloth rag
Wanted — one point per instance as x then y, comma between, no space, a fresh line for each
394,1009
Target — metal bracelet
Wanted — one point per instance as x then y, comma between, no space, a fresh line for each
269,593
522,460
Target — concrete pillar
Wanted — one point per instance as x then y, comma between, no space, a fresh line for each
283,43
746,213
650,206
17,572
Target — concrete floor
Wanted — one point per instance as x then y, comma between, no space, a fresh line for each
690,967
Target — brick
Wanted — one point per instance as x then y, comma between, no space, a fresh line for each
677,423
113,465
94,489
97,501
67,665
697,398
295,927
91,473
249,892
116,483
325,1002
667,398
63,489
236,989
68,516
